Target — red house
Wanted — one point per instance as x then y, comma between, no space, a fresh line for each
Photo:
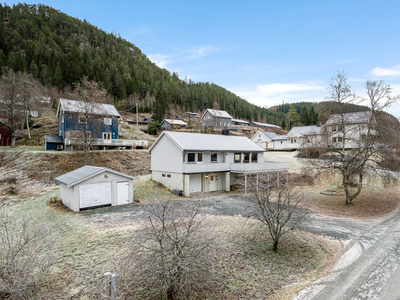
5,134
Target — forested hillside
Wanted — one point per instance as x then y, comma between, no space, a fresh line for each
58,50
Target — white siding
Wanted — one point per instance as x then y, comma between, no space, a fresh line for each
175,181
166,156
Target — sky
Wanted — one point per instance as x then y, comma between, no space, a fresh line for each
267,52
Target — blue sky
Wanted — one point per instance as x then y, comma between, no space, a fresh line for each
267,52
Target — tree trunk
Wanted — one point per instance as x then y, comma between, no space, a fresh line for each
275,246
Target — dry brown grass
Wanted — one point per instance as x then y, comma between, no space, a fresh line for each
373,202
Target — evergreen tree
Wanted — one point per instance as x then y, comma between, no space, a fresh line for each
293,117
283,124
313,117
160,107
304,119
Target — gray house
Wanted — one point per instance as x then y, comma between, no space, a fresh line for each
92,187
218,119
205,162
168,124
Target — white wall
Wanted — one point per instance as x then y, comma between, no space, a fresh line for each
261,140
174,182
166,156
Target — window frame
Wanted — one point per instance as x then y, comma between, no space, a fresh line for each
212,159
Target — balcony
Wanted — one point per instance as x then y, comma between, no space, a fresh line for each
259,167
101,142
236,167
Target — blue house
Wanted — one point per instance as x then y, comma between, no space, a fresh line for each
99,120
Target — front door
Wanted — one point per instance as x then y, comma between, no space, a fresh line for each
213,182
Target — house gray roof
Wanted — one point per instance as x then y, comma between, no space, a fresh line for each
209,142
53,139
240,121
79,107
74,177
266,125
174,122
279,137
350,118
269,134
218,113
306,130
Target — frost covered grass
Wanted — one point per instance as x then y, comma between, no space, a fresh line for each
243,263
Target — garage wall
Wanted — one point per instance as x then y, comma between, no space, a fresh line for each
113,178
67,196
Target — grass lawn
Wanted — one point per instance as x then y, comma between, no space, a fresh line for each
243,263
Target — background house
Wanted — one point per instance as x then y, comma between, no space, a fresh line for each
264,139
205,162
5,134
217,119
92,187
168,124
101,126
348,128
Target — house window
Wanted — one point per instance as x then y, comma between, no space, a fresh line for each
281,142
107,121
254,157
81,119
246,157
106,135
199,157
333,140
259,135
191,157
291,141
334,128
162,175
214,156
237,157
168,175
340,128
340,139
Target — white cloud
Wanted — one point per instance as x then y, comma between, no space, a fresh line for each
384,72
276,93
201,52
159,59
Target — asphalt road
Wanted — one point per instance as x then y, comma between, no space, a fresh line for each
371,270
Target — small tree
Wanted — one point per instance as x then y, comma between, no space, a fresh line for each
275,203
304,119
171,250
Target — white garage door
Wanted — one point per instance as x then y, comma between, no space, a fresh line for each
123,192
195,183
96,194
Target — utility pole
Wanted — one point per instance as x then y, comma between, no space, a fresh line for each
137,117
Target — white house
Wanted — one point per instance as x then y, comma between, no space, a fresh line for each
348,128
264,139
194,162
91,187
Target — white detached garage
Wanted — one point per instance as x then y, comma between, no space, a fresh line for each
92,187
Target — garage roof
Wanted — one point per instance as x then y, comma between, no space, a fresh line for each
74,177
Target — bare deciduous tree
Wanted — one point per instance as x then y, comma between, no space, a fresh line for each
26,257
352,150
90,94
170,253
274,202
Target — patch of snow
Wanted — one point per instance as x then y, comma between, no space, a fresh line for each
348,258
